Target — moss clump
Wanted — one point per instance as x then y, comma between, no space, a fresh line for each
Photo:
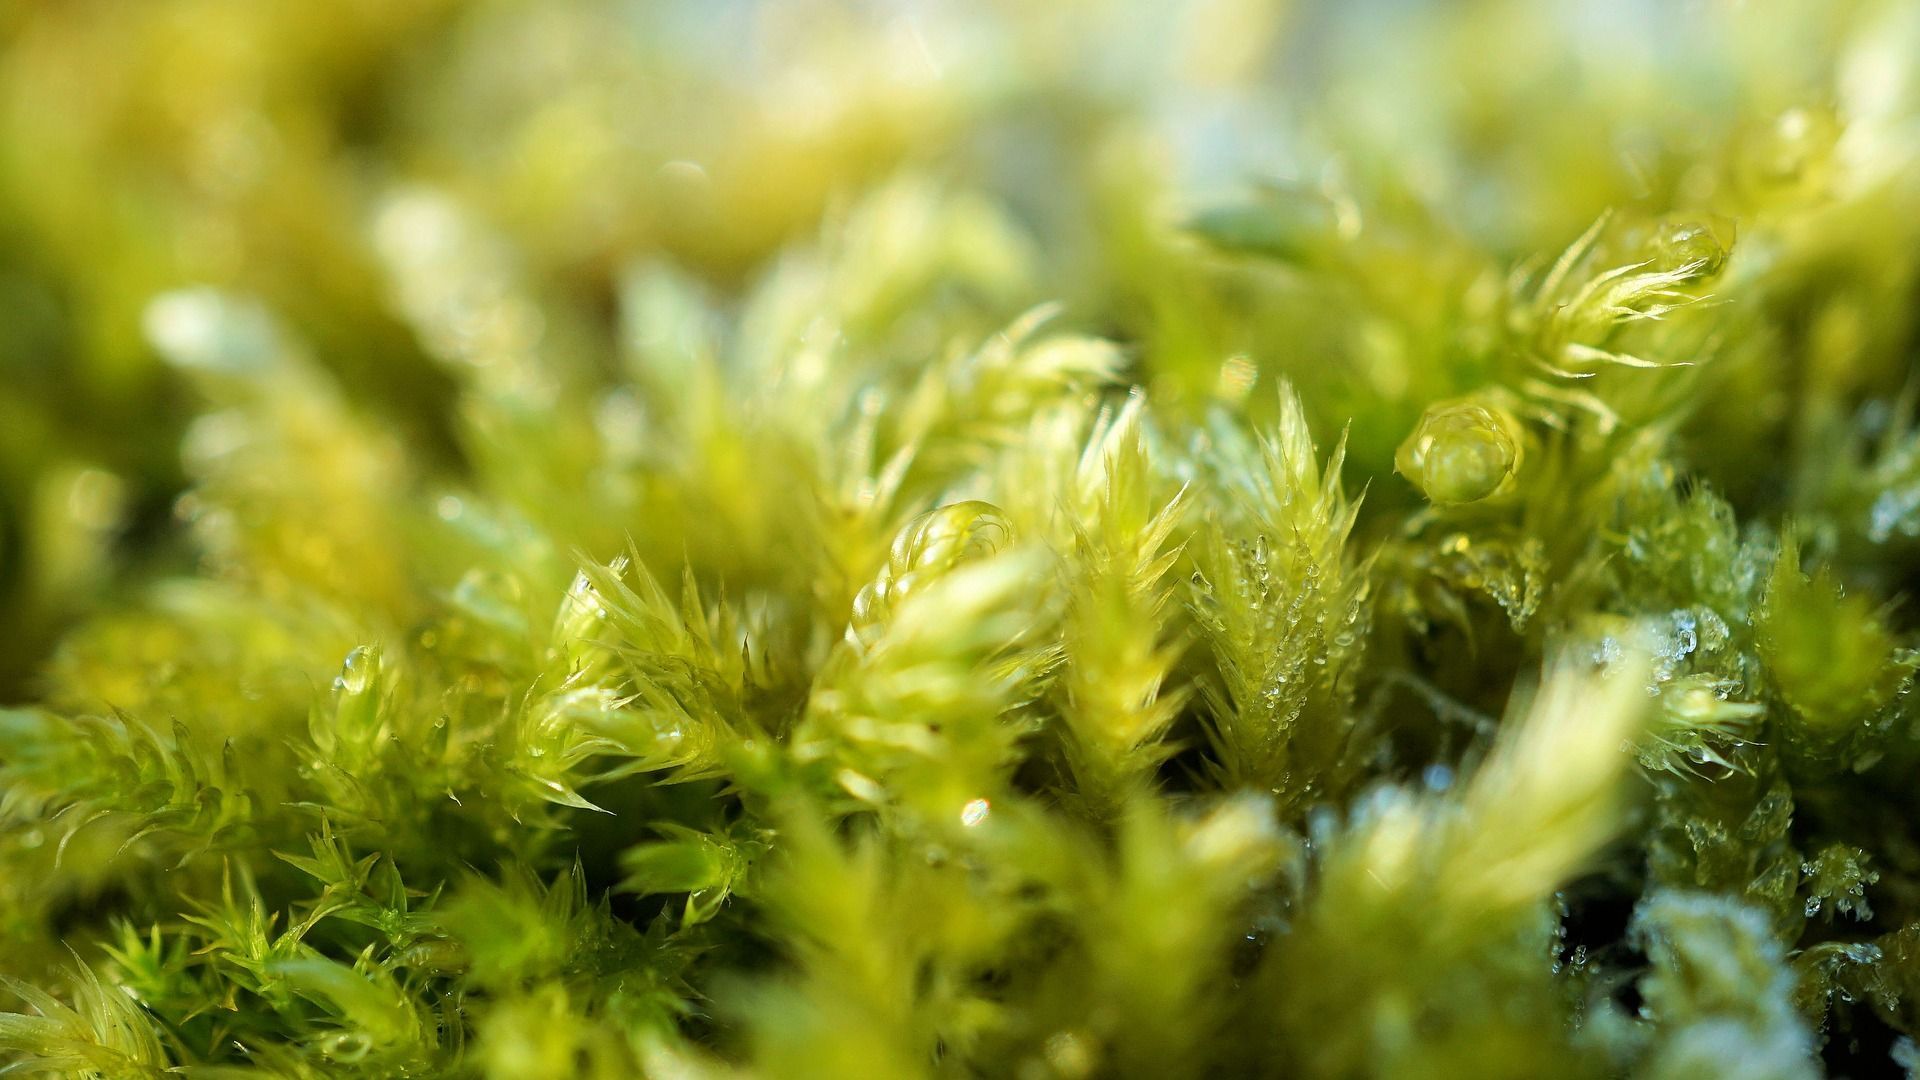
535,548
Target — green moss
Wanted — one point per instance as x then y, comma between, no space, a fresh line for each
535,546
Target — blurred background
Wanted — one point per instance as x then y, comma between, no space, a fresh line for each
332,162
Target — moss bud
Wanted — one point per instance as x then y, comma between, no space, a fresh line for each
1696,245
1462,451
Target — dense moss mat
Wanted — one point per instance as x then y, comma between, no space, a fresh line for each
814,540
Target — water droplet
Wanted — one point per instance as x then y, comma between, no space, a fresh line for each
975,812
357,673
1686,636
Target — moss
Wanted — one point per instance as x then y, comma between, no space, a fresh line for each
1057,542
